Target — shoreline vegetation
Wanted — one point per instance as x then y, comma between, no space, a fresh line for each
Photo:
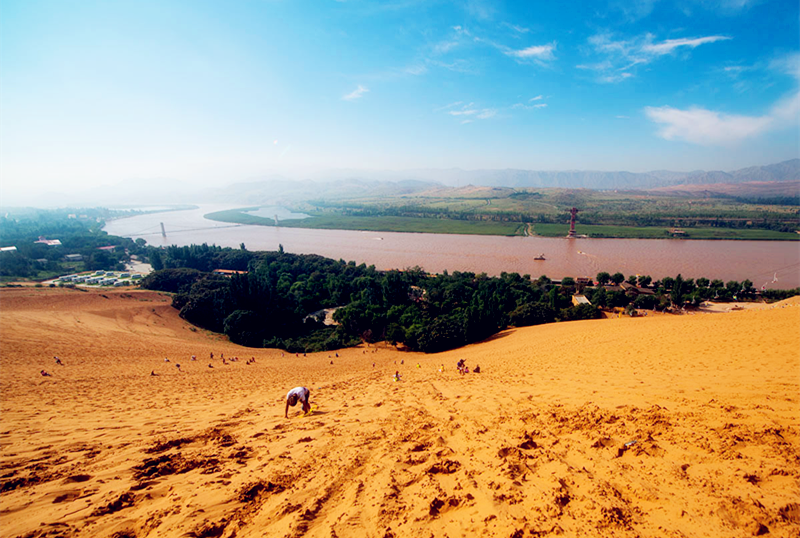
281,300
436,223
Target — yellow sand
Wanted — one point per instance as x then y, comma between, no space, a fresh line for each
533,445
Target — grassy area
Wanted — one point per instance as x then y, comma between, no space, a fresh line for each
333,221
657,232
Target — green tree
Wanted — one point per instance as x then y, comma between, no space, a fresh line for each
156,260
603,278
617,278
531,314
678,291
244,327
599,297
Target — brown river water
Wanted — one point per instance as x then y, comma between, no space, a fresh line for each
774,263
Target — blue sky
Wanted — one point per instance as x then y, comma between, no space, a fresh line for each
99,92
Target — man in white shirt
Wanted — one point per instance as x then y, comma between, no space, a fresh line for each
300,394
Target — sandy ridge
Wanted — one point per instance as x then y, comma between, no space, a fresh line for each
534,445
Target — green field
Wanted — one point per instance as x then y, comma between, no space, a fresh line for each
657,232
333,221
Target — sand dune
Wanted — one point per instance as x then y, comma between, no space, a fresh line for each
656,426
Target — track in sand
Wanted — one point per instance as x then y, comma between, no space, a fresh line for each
657,426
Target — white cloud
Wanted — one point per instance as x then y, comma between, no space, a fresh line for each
623,117
537,98
466,121
706,127
666,47
615,77
518,29
619,56
522,106
787,110
445,107
355,94
538,52
445,46
789,64
458,66
465,112
634,9
415,70
469,112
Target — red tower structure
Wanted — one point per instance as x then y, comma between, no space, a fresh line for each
573,213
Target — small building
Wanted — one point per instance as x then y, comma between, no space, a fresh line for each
8,249
584,281
677,232
109,248
579,300
48,242
636,290
613,287
228,272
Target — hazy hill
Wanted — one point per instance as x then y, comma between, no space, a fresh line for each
350,183
595,179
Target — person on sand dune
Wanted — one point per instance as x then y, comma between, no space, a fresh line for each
58,361
300,394
45,373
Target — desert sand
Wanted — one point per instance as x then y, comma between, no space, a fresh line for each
652,426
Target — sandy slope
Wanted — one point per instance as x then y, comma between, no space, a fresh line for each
533,445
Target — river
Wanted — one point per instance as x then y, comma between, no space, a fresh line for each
774,263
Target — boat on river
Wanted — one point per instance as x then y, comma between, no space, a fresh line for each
540,258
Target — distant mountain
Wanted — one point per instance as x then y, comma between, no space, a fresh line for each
745,189
590,179
278,191
349,183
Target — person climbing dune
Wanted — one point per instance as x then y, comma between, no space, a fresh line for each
298,394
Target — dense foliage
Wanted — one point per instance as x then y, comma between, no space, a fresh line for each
78,230
275,302
279,302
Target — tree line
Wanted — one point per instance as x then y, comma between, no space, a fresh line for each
279,301
78,230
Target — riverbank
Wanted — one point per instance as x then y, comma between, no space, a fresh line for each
759,261
338,221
